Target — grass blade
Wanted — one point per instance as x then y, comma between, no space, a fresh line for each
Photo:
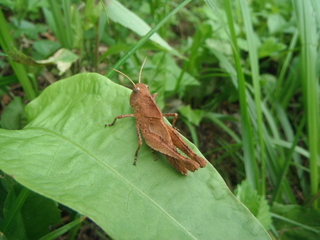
146,37
6,43
60,231
310,85
247,136
253,54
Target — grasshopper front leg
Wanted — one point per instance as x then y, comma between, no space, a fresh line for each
138,133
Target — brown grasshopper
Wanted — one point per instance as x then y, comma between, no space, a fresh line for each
157,134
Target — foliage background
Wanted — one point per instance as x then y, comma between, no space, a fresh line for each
243,76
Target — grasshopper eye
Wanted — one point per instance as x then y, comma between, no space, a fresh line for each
136,90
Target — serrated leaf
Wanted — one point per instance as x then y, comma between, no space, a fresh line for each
68,155
271,46
257,205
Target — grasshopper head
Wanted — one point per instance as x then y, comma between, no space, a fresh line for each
139,92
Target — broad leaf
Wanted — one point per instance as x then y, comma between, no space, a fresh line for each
13,116
66,154
36,211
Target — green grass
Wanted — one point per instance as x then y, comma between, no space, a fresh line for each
310,88
7,45
244,78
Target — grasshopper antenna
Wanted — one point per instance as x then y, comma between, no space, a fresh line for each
140,73
124,75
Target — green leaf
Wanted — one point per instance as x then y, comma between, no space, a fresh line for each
296,222
46,47
193,115
257,205
172,73
118,13
24,209
276,23
63,58
28,28
41,212
13,117
68,155
60,231
270,47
